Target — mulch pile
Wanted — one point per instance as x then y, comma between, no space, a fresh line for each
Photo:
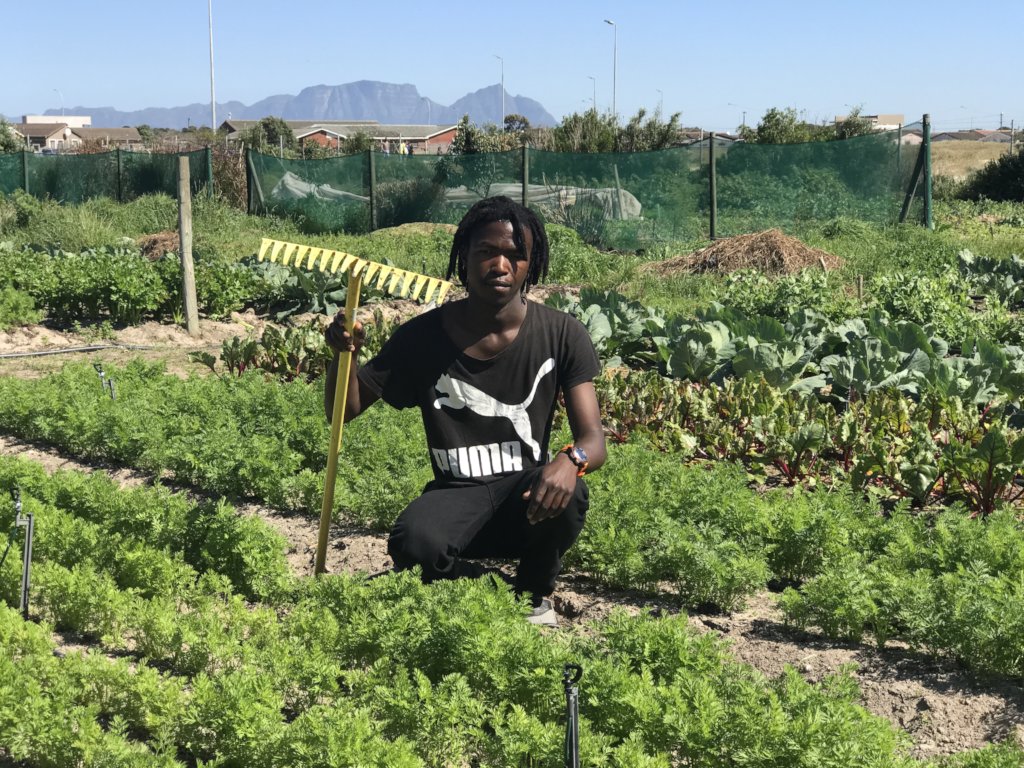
154,246
770,252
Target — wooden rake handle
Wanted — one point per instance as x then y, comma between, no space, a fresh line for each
355,281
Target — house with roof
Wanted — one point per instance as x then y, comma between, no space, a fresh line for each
957,136
112,138
53,137
425,139
998,137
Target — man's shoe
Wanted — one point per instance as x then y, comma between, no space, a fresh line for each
543,614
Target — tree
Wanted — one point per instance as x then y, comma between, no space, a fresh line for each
640,136
147,134
854,125
270,133
515,123
783,126
589,132
9,141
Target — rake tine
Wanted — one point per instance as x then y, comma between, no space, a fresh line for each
382,276
278,245
371,270
264,245
300,254
289,251
417,286
432,284
325,257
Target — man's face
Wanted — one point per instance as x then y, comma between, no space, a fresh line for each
495,270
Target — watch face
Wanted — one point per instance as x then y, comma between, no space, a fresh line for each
580,454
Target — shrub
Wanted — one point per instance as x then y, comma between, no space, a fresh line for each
1001,179
17,308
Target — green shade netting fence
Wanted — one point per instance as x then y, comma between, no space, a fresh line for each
786,185
119,175
627,201
325,195
334,193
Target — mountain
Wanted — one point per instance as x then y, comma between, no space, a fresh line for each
387,103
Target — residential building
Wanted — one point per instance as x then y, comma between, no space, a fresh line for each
425,139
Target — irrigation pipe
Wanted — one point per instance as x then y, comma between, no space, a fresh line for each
90,348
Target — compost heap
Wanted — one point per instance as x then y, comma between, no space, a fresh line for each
769,252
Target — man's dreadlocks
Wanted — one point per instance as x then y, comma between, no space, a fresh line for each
501,208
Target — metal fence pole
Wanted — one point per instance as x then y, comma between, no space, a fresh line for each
713,183
927,128
372,161
120,189
526,175
899,151
209,173
24,169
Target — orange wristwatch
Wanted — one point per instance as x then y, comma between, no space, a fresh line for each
578,457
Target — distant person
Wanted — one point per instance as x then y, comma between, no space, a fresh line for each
409,146
485,372
401,148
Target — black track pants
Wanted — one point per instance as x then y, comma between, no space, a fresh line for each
446,524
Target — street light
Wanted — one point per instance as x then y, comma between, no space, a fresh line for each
615,65
593,102
661,101
424,98
61,101
743,123
502,90
213,98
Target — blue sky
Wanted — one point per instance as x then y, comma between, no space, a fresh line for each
711,61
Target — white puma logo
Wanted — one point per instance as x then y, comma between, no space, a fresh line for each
459,394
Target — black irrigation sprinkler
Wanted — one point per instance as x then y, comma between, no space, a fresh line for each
28,522
570,681
106,382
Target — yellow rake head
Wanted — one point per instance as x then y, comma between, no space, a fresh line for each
392,280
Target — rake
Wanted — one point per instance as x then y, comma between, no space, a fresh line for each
391,280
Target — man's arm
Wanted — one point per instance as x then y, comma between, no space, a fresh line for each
556,483
584,414
360,397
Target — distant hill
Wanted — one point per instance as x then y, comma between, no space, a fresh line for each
388,103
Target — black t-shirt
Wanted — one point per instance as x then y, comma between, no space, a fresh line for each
483,418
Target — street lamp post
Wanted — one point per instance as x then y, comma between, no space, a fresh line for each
615,65
593,102
661,101
502,90
213,97
61,101
743,122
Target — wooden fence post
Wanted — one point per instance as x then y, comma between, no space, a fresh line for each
188,274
